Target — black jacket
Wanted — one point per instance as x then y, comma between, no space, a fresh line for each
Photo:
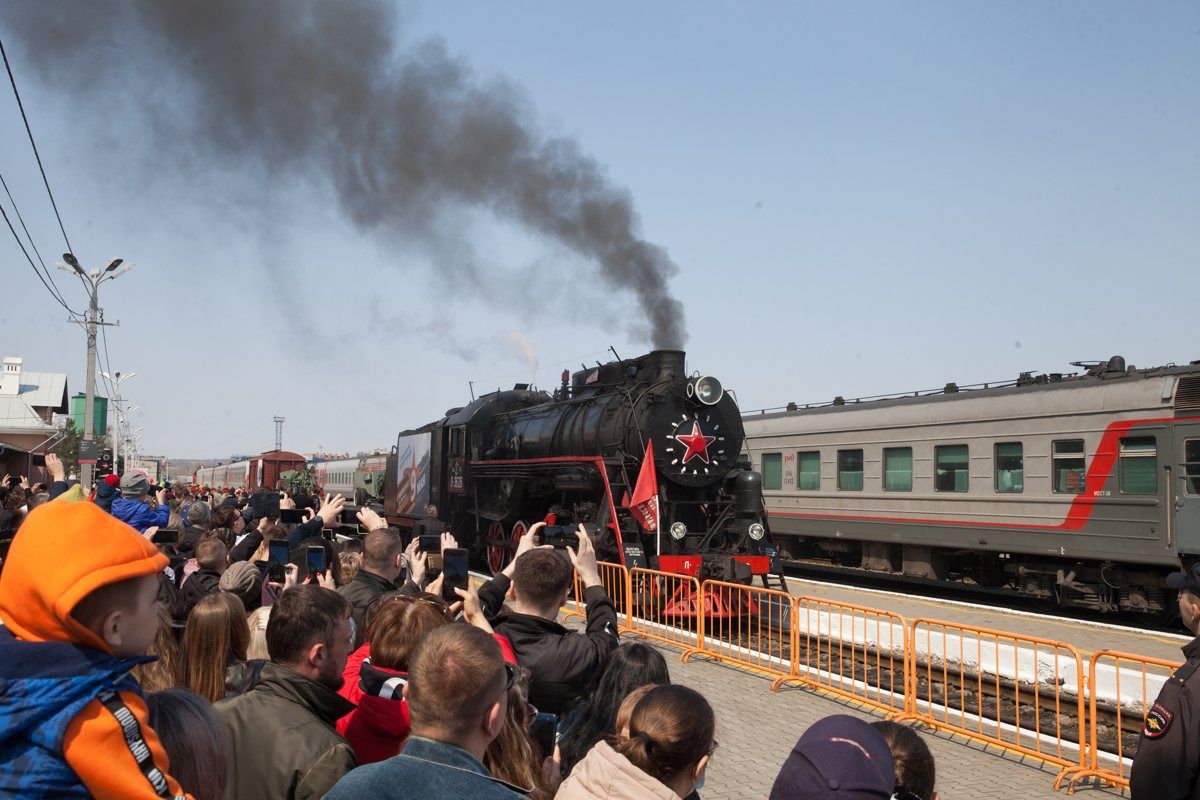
365,587
562,662
202,583
1167,764
282,731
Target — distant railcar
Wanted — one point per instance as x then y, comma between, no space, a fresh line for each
1076,490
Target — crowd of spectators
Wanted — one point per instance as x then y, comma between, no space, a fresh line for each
150,649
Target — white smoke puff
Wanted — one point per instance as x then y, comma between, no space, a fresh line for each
522,346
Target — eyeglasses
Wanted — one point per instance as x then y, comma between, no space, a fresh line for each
714,747
900,793
510,676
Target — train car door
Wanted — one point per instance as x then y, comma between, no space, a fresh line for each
1186,505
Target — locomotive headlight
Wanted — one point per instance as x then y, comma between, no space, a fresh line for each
707,390
678,531
757,531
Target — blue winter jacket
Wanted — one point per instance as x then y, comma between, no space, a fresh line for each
43,686
427,769
138,515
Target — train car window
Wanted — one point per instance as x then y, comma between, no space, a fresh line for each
1069,466
1191,466
772,470
897,469
1010,467
1138,465
808,471
950,467
850,470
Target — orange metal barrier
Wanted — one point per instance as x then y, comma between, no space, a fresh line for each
746,625
665,606
576,608
997,687
856,652
1131,692
615,580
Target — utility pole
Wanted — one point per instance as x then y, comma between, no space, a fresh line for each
91,322
279,432
121,432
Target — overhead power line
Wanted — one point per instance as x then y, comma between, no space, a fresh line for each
33,144
53,287
33,266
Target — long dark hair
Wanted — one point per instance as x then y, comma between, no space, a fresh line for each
191,733
631,665
915,770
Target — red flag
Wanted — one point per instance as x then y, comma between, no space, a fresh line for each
644,503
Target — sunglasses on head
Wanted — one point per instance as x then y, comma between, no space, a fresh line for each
900,793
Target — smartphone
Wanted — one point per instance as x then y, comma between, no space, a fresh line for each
315,558
291,516
431,542
265,504
349,517
277,559
544,731
165,536
559,536
454,573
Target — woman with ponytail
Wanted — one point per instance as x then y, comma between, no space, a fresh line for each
664,756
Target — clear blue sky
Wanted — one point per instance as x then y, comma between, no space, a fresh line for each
861,198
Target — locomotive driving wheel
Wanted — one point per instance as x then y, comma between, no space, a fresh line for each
518,530
496,547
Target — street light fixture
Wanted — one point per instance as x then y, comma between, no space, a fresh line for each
91,321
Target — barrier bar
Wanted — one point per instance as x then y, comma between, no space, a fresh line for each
665,606
746,625
997,687
855,652
1130,683
615,580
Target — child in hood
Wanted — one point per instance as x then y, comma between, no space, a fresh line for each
107,491
77,602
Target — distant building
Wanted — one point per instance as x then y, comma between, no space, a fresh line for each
28,403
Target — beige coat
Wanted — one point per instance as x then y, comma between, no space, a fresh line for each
605,774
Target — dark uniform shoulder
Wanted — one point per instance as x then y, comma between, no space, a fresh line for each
1186,670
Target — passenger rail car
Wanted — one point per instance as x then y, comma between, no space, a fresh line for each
357,479
261,471
1076,490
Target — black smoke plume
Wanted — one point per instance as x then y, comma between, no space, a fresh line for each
406,134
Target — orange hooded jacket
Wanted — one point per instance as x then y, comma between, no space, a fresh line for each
62,553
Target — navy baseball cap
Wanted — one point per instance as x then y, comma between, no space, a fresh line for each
838,758
1188,579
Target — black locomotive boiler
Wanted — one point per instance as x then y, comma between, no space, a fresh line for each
511,458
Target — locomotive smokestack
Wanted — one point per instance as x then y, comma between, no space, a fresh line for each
405,134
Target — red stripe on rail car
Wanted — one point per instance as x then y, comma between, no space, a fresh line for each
1078,515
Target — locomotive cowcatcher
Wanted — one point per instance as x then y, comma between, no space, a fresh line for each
490,469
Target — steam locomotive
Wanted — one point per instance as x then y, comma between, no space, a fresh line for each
492,468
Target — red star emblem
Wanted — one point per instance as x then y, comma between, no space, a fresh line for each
696,443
